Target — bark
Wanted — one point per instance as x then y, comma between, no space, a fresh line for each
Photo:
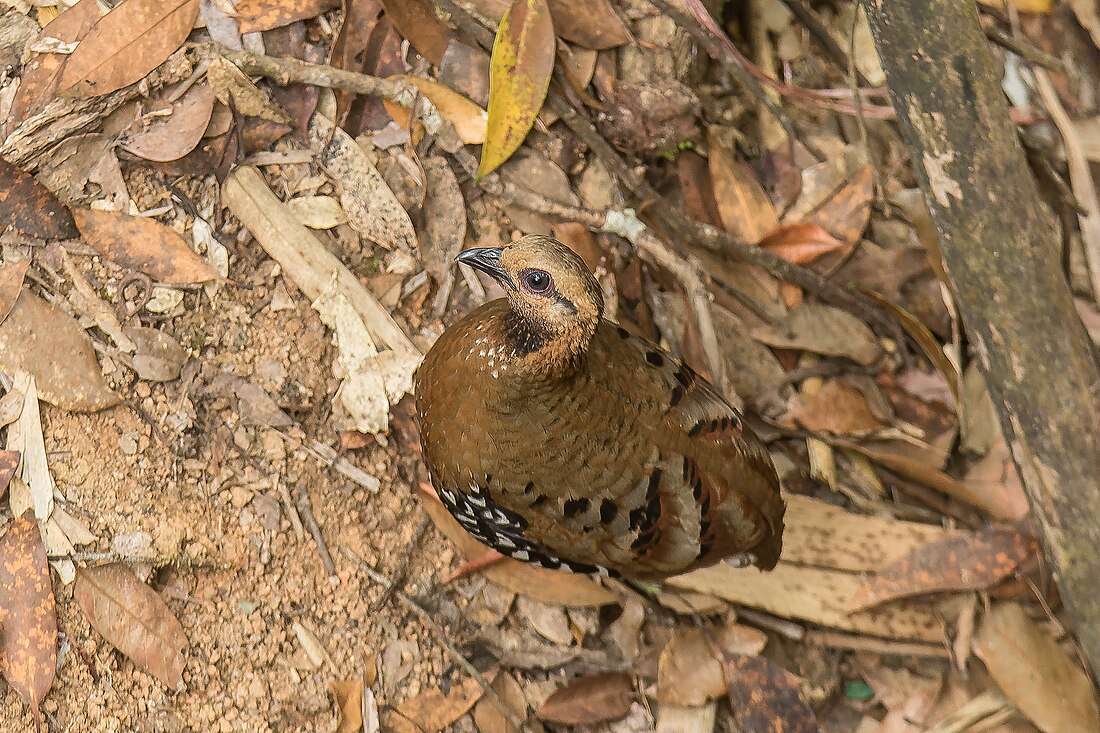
1001,249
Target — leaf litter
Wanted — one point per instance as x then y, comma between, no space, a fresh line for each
921,509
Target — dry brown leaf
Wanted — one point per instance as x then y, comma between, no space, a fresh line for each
1035,672
962,561
43,72
487,714
41,339
126,44
134,619
28,615
432,711
846,213
444,217
521,65
144,244
470,121
993,485
176,129
590,23
834,408
689,671
823,329
746,211
27,207
416,20
800,242
348,696
590,699
545,585
359,47
263,15
11,284
233,88
159,357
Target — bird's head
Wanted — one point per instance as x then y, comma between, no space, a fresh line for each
556,302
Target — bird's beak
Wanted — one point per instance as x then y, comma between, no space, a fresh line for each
487,259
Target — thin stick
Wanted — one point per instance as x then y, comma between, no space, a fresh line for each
310,522
440,634
809,20
855,642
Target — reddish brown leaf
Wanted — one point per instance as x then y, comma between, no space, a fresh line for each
263,15
42,73
745,208
28,616
590,699
176,131
11,284
965,561
134,619
126,44
143,244
834,408
416,20
800,242
590,23
766,698
9,461
696,188
356,48
28,207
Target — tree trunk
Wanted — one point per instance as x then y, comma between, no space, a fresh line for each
1002,251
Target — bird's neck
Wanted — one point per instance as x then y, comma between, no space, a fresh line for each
538,355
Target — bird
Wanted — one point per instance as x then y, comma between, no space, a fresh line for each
559,438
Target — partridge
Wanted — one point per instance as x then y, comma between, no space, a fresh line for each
559,438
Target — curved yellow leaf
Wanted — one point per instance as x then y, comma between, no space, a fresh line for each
467,117
519,76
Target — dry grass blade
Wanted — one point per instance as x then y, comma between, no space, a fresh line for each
134,619
126,44
28,617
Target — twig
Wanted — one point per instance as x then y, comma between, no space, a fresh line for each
781,626
440,634
1079,175
855,642
289,508
1024,50
157,561
701,26
310,521
809,20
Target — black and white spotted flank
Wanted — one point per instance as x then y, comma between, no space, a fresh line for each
502,530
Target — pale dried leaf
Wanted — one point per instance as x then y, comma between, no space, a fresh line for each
317,212
823,329
25,436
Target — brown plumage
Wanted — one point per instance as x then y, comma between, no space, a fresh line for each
557,437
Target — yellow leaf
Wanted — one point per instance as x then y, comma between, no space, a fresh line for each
469,120
519,76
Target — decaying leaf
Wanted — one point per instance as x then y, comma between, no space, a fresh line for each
28,616
765,698
470,121
445,217
432,711
40,338
143,244
846,213
176,129
689,672
487,713
317,212
371,206
134,619
823,329
590,699
1035,672
590,23
233,88
963,561
520,70
35,489
263,15
11,284
993,484
835,407
27,207
126,44
800,242
416,20
9,461
159,357
539,583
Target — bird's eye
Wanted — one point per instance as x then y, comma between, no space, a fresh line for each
537,281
